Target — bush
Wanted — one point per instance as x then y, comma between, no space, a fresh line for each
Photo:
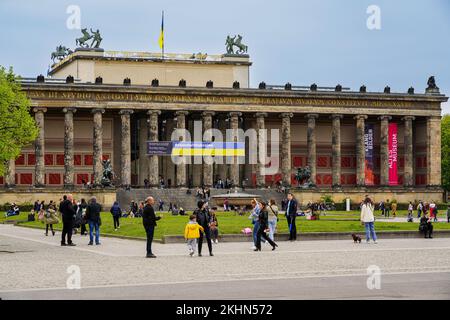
24,207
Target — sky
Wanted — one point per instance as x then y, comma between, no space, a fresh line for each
298,41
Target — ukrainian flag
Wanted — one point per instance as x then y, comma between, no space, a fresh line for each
198,149
161,36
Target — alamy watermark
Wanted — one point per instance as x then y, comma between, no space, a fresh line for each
74,19
74,279
374,279
374,19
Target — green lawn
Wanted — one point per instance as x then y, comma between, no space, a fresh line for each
231,224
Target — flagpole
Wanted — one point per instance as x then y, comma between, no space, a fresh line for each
162,30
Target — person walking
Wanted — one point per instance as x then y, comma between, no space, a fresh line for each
387,209
263,219
255,221
419,209
50,218
94,220
68,216
192,233
410,212
394,208
214,226
448,214
82,208
203,218
149,221
272,210
368,219
116,214
291,215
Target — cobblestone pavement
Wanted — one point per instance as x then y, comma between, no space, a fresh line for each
34,266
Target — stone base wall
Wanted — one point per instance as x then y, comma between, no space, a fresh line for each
106,198
356,195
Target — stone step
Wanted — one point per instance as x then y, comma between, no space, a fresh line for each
180,197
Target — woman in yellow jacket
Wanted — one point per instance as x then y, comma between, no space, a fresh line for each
192,233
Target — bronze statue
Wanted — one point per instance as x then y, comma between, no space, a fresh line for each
107,173
232,42
303,177
432,84
82,41
60,53
96,38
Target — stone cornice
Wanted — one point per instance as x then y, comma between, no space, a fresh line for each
220,100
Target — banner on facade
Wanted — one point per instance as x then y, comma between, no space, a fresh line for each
369,161
159,148
197,149
393,154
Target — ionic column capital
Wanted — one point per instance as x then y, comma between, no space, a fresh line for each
126,112
261,115
312,116
208,114
337,116
286,115
39,109
360,117
98,110
235,114
154,112
381,118
181,113
67,110
408,118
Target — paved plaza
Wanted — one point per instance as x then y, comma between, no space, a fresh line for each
33,266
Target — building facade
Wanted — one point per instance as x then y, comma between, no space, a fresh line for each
108,106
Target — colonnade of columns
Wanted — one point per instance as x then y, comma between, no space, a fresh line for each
152,169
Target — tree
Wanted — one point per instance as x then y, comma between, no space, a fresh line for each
17,126
445,127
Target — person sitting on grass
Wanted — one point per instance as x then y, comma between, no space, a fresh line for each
192,233
13,211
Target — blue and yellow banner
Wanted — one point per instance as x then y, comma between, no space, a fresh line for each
217,149
196,149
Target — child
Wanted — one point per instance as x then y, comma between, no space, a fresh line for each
192,233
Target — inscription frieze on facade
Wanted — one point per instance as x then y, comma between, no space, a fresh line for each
221,99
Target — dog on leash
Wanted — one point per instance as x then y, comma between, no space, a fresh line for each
356,238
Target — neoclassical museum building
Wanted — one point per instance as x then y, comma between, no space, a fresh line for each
99,104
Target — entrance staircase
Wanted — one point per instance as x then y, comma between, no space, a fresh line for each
180,197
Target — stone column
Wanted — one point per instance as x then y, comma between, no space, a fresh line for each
408,174
234,168
98,146
311,140
153,163
143,173
360,150
39,145
384,150
434,152
181,168
286,165
68,148
208,169
222,169
10,174
125,156
336,150
261,150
